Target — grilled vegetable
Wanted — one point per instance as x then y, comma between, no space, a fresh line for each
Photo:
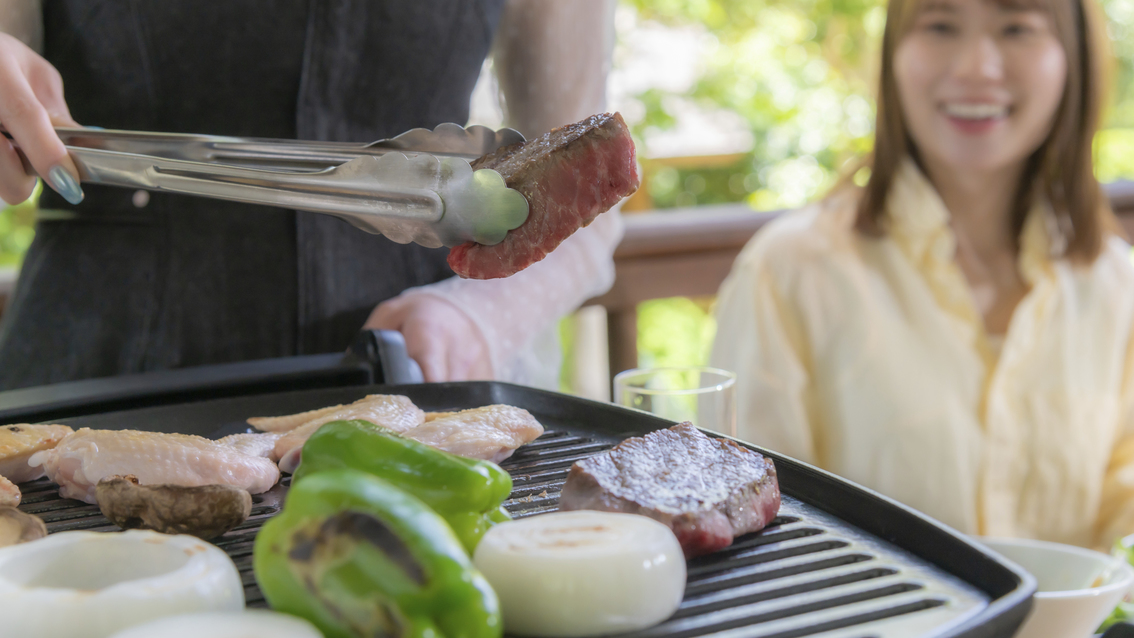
225,624
357,556
205,511
467,493
84,584
583,573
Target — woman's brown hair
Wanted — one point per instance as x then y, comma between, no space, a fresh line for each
1061,170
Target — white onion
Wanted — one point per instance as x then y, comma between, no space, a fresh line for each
91,584
253,623
582,573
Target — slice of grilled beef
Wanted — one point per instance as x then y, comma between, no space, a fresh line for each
569,175
707,490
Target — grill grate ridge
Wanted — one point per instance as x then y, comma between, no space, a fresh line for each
769,554
720,599
762,573
752,583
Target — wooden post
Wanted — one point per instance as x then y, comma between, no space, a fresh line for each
622,331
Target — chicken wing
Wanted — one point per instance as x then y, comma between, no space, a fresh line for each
491,433
391,411
19,442
9,493
254,443
84,458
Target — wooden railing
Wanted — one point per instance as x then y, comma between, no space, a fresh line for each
683,252
688,252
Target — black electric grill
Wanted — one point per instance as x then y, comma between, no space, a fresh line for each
839,561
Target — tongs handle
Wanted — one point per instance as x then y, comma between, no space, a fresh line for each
447,140
347,189
417,187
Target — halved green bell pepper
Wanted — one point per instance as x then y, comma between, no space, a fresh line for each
465,492
357,557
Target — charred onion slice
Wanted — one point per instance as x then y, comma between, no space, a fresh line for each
582,573
81,584
225,624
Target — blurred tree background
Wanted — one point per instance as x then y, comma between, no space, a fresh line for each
17,230
799,74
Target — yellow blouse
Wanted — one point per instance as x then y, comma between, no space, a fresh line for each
867,357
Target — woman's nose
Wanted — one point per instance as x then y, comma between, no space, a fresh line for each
978,59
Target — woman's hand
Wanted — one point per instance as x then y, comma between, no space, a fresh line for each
439,336
31,104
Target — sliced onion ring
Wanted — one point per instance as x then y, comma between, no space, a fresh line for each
225,624
91,584
582,573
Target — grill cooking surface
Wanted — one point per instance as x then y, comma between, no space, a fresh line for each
806,574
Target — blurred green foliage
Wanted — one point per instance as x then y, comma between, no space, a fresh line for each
801,74
798,72
1114,149
17,230
675,332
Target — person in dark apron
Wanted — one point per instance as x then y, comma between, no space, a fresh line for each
133,281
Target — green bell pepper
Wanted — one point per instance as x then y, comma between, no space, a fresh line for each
465,492
357,557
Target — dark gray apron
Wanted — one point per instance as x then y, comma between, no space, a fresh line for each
109,287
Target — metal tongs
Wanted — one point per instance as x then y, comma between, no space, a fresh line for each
417,187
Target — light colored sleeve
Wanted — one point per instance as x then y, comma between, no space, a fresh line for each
551,60
1116,506
23,19
760,338
518,316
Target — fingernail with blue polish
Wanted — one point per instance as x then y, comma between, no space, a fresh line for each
65,184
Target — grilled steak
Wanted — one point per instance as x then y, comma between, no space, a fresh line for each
569,176
707,490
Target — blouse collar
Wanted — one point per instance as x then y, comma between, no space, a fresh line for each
919,223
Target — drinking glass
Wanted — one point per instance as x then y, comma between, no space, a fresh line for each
705,396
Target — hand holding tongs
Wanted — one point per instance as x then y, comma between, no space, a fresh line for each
416,187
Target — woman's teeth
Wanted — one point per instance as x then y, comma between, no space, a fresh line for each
975,111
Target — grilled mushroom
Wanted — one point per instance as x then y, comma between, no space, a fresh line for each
17,527
205,511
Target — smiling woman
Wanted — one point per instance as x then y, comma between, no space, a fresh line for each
969,88
957,334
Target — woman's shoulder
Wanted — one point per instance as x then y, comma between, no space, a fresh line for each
817,231
1113,268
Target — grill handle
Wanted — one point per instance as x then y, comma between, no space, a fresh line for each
377,356
388,348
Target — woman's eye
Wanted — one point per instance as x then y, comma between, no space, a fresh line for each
1017,29
940,27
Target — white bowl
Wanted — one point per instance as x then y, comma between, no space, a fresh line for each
1065,604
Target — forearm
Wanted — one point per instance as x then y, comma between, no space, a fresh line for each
23,19
552,59
511,312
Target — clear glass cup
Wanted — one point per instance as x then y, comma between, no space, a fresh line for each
705,396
